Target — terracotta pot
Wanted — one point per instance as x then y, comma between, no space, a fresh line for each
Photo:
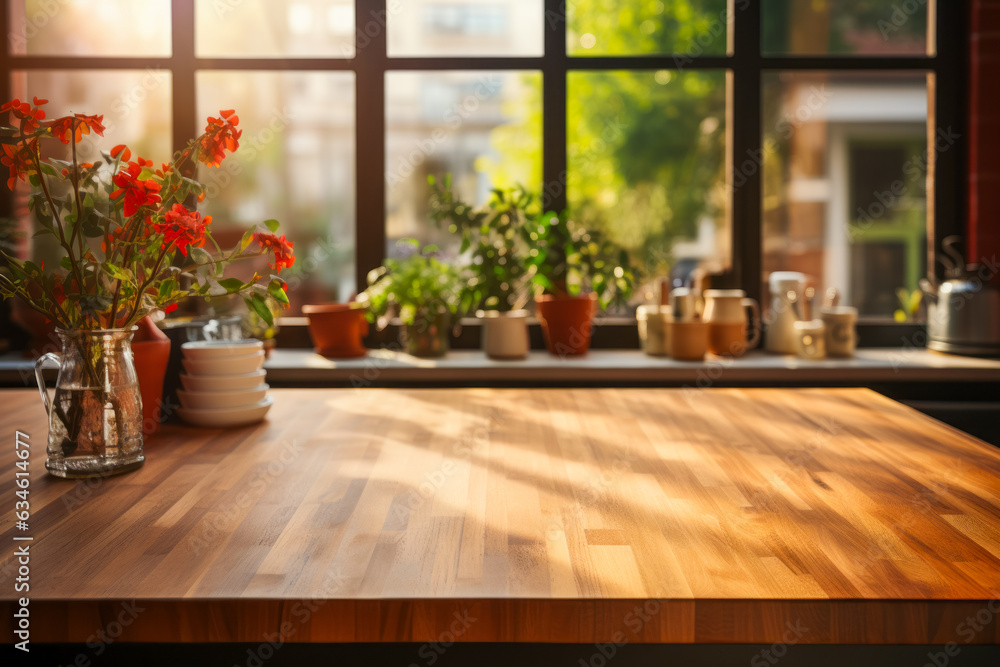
505,335
566,322
151,352
337,329
428,336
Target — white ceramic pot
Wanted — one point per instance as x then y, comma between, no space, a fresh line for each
810,339
654,329
841,330
781,335
505,335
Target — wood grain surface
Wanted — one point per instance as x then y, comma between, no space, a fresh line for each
720,515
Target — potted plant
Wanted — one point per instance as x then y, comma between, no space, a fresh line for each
498,284
422,291
131,245
337,329
577,271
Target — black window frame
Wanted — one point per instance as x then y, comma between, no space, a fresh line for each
745,61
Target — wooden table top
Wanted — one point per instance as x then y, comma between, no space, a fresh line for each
548,515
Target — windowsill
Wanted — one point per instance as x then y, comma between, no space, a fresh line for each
896,367
471,367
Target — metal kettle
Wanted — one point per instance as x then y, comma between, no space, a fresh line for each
963,315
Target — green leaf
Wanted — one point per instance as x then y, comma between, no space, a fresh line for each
115,272
167,288
543,281
49,170
232,285
246,240
257,304
200,255
276,291
273,226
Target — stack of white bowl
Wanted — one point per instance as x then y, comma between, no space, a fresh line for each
223,383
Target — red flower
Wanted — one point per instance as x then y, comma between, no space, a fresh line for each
284,256
28,115
169,309
77,124
58,292
220,135
183,228
122,149
137,193
20,159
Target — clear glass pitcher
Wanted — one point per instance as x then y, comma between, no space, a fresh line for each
95,415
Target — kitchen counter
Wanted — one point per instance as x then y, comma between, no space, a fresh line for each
723,516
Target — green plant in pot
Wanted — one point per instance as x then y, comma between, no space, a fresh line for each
576,270
498,284
422,291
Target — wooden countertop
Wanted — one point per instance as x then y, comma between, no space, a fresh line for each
723,515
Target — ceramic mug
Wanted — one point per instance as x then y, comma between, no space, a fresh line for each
725,312
841,330
810,339
689,340
684,304
654,329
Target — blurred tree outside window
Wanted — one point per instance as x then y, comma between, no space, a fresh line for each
646,147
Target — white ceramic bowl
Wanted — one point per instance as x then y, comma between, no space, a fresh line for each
206,383
224,365
250,414
214,400
217,349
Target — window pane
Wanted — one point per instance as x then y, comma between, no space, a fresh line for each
845,27
845,182
484,128
465,28
647,165
295,164
630,27
53,27
136,107
265,28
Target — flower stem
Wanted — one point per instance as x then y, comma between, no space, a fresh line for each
59,226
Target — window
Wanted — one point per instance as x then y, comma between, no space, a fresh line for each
736,136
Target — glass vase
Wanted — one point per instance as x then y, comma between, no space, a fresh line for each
95,414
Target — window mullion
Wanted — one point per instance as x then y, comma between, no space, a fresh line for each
948,207
371,62
744,117
182,67
554,70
